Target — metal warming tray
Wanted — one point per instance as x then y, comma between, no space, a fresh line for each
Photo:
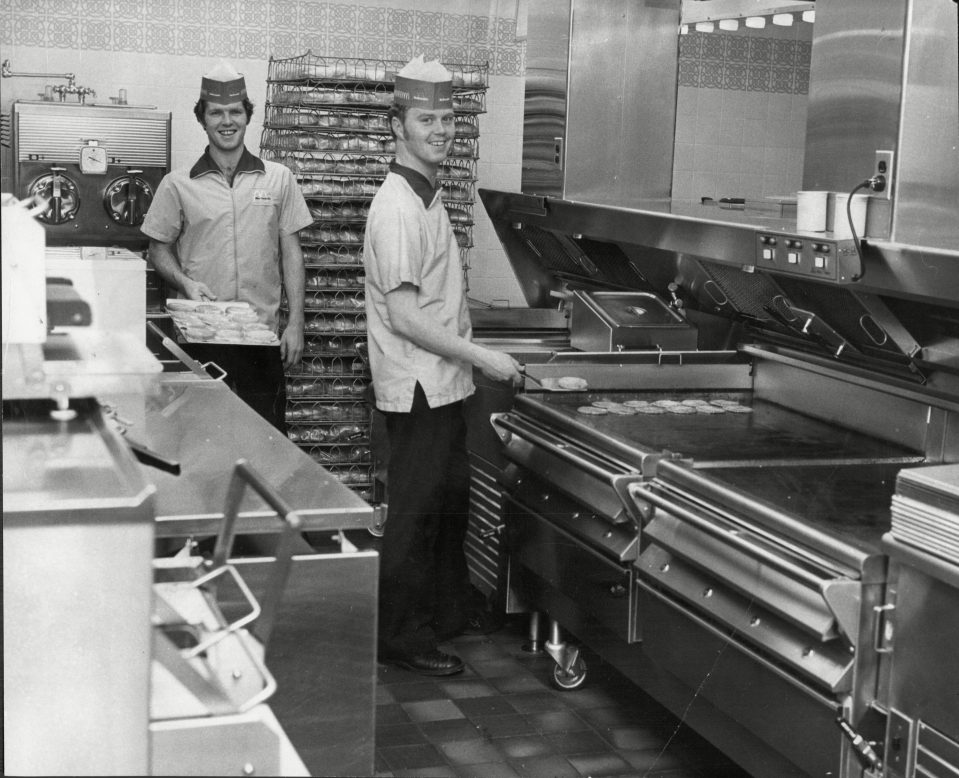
626,321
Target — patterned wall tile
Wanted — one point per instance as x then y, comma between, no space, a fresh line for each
314,17
734,76
251,44
313,41
6,30
714,47
29,7
691,46
455,54
505,31
256,29
250,14
398,49
223,42
155,11
781,80
64,8
428,25
194,12
371,22
711,75
191,40
63,32
284,43
399,23
341,46
342,20
509,62
103,9
760,50
95,35
284,14
479,31
370,48
128,36
223,11
784,53
737,48
757,79
455,28
689,72
801,81
481,54
159,38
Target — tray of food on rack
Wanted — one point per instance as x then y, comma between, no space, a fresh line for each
233,321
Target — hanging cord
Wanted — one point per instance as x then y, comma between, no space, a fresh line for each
877,184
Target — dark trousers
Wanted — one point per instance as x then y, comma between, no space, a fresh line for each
424,581
254,373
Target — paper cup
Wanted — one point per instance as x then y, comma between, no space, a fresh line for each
811,210
840,221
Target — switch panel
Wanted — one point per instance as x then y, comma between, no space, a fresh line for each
816,258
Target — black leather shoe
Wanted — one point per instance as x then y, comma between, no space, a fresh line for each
433,662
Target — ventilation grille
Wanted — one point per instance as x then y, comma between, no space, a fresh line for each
130,140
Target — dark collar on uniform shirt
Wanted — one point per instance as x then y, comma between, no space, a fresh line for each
247,164
419,183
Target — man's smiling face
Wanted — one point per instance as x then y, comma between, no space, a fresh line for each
225,125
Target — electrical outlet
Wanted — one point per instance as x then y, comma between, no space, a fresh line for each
883,167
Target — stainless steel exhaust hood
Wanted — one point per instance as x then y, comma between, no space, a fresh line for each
598,146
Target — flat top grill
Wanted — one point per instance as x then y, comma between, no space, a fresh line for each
850,503
770,435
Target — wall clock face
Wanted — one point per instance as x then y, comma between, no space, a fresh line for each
93,160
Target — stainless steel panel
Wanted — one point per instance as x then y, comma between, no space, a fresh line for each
927,164
322,653
77,583
56,133
827,666
925,627
599,586
622,100
618,321
544,106
907,415
855,78
798,602
742,686
206,428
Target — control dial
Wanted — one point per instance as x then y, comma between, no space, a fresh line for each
127,199
61,194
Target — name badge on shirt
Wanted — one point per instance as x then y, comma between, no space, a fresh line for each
262,197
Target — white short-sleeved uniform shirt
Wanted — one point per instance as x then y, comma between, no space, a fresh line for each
227,236
409,243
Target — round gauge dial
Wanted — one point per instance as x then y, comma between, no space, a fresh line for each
126,200
62,196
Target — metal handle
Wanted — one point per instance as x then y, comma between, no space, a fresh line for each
243,476
216,637
638,491
562,450
185,358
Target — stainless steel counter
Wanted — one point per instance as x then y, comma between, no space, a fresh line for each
206,428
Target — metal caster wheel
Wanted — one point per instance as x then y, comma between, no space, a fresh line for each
571,679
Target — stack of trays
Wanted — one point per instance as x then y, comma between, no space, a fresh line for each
925,510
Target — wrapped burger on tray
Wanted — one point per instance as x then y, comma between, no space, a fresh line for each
231,322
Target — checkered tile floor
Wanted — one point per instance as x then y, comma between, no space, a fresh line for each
502,717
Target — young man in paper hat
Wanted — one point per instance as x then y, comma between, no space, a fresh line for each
227,229
422,356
